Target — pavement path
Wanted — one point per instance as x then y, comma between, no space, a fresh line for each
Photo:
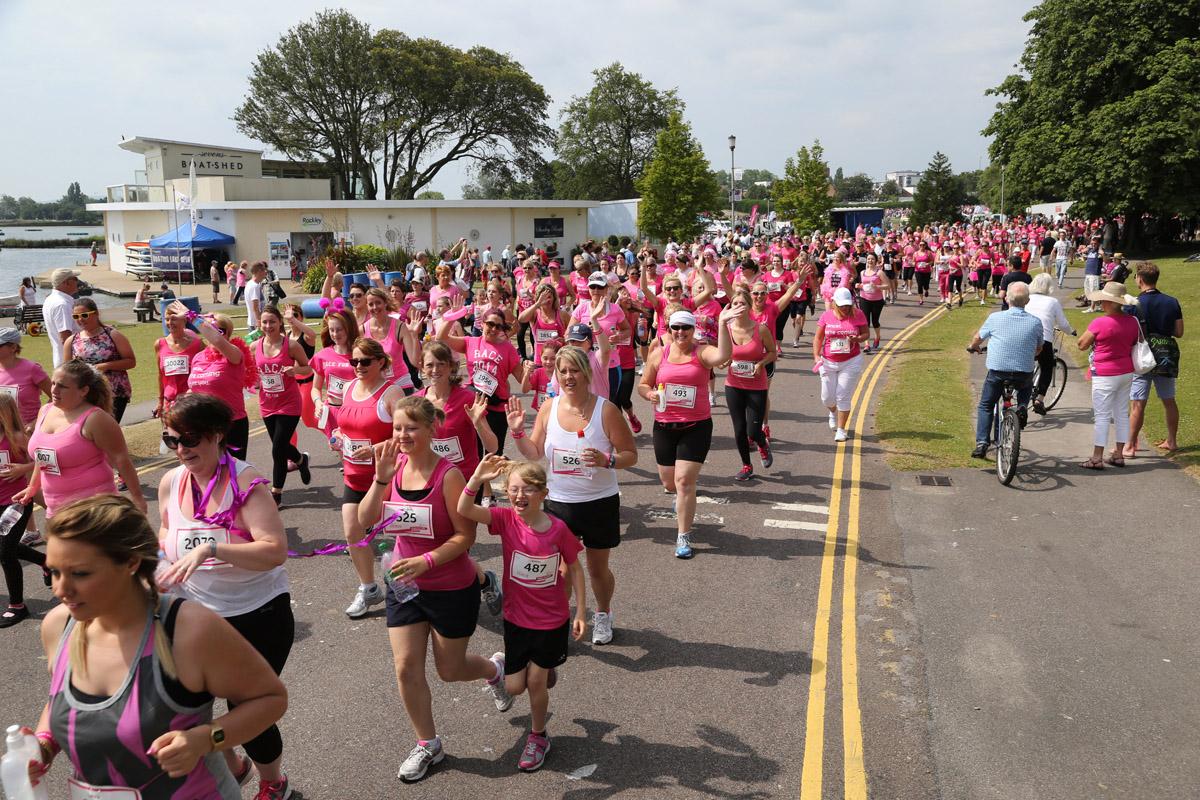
831,638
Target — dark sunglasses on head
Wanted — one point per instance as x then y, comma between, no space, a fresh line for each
82,315
682,327
187,440
361,362
356,295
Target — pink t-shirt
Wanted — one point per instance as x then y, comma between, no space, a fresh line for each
1115,337
539,382
424,525
213,374
608,324
534,596
10,486
22,382
488,368
455,439
841,335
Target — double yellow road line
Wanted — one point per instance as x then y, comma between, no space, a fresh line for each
855,776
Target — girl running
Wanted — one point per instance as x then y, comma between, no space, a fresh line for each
174,353
746,382
491,362
280,360
837,275
923,261
537,616
331,367
546,319
870,297
401,345
224,369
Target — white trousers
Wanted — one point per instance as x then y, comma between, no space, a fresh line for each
838,379
1110,404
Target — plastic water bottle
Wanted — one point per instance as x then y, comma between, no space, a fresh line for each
585,470
10,517
405,589
14,767
662,398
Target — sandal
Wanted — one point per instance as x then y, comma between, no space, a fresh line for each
1116,462
1093,463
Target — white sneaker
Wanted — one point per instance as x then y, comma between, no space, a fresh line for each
602,627
500,695
840,436
364,599
31,538
832,421
419,760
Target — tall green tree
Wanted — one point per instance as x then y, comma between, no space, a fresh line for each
890,190
606,137
1105,109
804,192
532,180
858,186
314,96
939,196
440,104
678,184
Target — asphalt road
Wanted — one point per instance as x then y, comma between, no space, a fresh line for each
711,688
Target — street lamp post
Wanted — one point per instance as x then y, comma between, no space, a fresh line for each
1002,191
732,208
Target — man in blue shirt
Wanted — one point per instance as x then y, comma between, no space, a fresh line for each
1014,339
1092,267
1162,321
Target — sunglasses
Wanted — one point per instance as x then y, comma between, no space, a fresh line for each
672,288
758,293
682,327
82,315
361,362
357,295
187,440
491,325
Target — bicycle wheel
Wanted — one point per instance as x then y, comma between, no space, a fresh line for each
1058,382
1008,448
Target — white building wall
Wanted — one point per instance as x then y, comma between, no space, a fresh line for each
614,218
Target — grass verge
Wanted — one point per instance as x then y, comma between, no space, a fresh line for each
926,416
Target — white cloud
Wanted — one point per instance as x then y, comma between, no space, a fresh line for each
882,85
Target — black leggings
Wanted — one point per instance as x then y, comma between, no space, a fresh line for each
498,422
119,406
238,438
270,629
872,309
956,284
620,387
280,428
923,283
1045,361
12,553
747,408
523,332
781,322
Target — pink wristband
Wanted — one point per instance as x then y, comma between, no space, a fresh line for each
428,560
469,492
518,434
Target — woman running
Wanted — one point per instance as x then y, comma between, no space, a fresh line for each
746,382
982,262
871,284
604,318
174,353
528,277
280,360
838,357
224,369
414,494
224,548
302,332
331,367
105,348
537,549
364,420
955,272
15,469
806,280
584,440
76,443
402,346
133,676
675,381
837,275
923,261
491,362
546,319
22,379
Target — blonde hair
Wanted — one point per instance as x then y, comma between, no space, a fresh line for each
376,292
530,473
224,323
113,525
10,424
420,410
577,357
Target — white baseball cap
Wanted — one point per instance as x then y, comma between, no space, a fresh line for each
842,297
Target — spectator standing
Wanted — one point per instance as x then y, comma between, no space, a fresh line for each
1111,338
56,311
214,277
1162,323
254,294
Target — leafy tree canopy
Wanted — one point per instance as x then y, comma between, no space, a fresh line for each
939,195
803,193
677,185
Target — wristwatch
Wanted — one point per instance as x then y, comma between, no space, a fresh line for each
216,736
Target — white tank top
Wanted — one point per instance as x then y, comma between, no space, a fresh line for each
223,588
569,481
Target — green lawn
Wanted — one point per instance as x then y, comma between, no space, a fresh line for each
926,416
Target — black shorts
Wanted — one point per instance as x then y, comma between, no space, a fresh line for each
352,496
890,273
909,272
982,278
796,308
597,523
547,649
686,441
770,370
452,613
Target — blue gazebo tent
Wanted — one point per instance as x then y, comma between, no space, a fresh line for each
182,237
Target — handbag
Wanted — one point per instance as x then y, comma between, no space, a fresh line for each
1144,360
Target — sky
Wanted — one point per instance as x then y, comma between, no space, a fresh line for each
882,85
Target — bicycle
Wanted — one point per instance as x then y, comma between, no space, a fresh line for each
1058,380
1007,423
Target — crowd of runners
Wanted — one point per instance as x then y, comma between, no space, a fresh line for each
421,387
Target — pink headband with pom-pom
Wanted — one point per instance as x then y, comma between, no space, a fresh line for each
335,305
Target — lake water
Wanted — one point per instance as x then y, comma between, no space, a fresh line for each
41,232
18,263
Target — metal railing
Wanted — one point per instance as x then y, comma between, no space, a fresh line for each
135,193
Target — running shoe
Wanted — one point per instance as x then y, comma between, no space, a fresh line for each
767,432
242,775
1039,407
602,630
500,695
840,435
31,538
683,545
960,301
832,421
305,472
764,454
534,755
420,759
364,598
635,424
493,595
12,616
744,474
866,348
980,450
276,790
921,302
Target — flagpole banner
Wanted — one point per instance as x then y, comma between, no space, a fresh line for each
192,192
